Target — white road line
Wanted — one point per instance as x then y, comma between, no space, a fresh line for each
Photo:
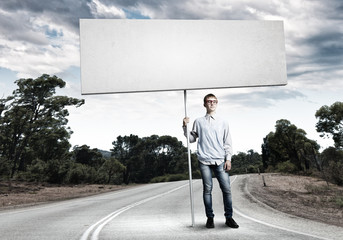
278,227
275,226
45,205
98,226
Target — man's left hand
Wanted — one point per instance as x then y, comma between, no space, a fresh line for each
227,166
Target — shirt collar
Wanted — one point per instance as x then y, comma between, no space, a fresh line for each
207,116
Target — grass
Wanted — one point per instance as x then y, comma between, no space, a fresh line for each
339,201
326,194
23,193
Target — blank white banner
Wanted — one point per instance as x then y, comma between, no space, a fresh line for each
122,55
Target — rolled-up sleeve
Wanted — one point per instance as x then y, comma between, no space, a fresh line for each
192,134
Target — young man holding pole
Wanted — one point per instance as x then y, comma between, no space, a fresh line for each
214,152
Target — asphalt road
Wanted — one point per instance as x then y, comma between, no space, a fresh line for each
158,211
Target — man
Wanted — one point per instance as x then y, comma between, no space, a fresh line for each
214,151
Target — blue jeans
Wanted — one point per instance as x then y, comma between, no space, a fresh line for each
224,183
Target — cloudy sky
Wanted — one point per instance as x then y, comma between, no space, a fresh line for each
39,37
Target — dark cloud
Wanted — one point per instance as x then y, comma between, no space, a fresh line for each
328,47
331,9
321,63
181,9
15,29
64,12
33,5
128,3
318,50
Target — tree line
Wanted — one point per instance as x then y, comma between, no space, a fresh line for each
289,150
34,145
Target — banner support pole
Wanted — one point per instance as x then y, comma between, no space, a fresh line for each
189,162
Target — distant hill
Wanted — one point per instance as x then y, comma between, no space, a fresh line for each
105,154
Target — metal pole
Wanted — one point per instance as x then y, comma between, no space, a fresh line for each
189,162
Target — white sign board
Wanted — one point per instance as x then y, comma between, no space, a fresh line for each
122,55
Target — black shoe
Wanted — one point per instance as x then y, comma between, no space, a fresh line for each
210,223
231,223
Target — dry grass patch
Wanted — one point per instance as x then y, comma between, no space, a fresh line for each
25,194
301,196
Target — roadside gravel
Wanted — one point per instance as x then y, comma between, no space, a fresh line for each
301,196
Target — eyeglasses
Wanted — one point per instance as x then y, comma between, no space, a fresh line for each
211,101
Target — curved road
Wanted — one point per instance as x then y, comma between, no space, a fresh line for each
158,211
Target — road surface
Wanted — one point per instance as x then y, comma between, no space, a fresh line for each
158,211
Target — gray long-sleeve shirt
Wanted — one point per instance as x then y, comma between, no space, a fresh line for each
214,139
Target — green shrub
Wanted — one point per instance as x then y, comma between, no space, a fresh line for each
339,201
36,171
336,172
169,178
252,169
78,174
270,169
286,167
159,179
196,174
310,188
177,177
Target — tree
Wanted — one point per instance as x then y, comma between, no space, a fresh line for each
265,152
246,162
33,123
91,157
149,157
125,150
330,122
273,151
289,143
171,156
332,164
111,167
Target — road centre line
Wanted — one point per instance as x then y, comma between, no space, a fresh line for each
102,222
98,226
47,205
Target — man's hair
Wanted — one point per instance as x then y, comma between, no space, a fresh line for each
208,96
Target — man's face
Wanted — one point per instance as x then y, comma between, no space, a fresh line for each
211,104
